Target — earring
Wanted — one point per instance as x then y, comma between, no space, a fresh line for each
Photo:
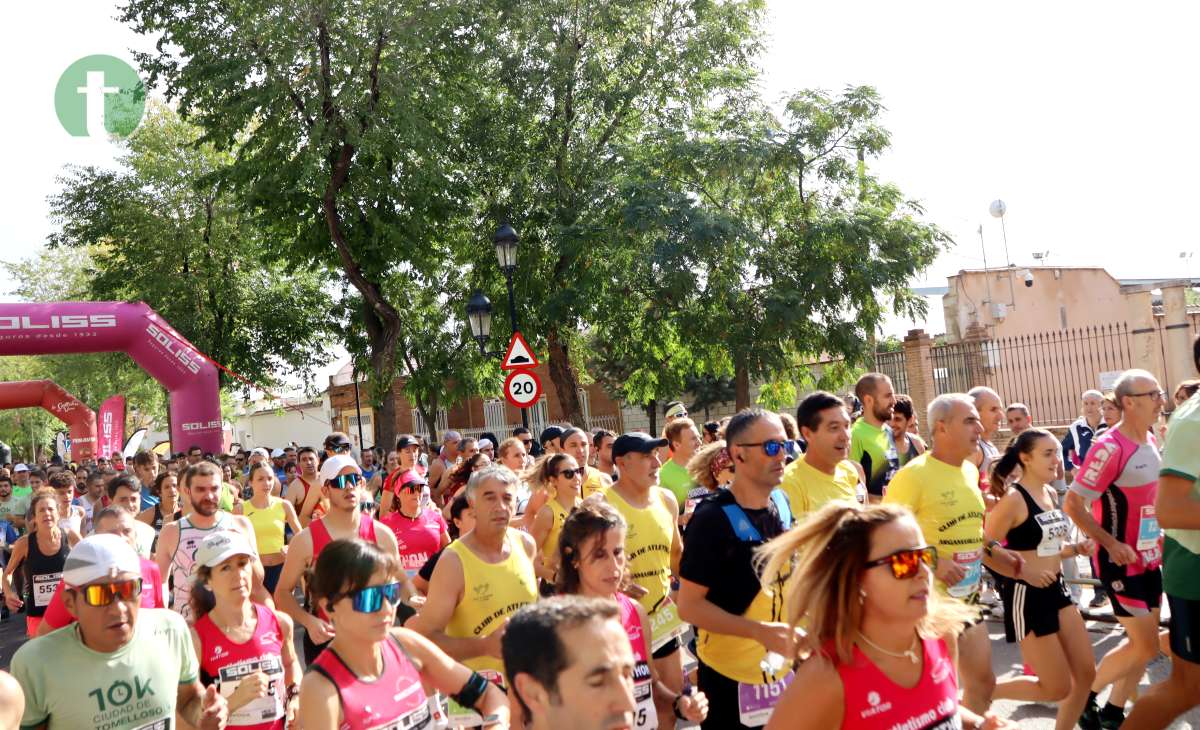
862,596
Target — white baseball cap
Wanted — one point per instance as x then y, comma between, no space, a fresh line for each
277,454
20,468
221,546
260,450
99,556
334,465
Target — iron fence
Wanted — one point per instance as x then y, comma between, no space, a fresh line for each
891,364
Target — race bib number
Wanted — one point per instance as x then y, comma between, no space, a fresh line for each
665,625
261,709
645,717
1148,530
757,701
1055,529
972,564
43,588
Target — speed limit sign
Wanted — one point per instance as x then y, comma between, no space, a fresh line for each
522,388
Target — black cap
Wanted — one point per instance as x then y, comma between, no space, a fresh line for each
550,433
636,441
337,441
405,441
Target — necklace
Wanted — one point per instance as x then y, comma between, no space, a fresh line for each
911,652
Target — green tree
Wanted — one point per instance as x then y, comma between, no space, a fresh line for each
166,230
710,390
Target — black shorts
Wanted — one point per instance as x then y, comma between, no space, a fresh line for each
1132,595
1035,610
666,649
722,693
1185,628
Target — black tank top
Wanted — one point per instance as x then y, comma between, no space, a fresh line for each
1042,530
44,571
158,517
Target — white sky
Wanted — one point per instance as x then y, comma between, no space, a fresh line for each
1080,115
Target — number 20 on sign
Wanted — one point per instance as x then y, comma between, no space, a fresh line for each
522,388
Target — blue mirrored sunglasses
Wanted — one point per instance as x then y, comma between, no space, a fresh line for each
342,480
370,599
770,448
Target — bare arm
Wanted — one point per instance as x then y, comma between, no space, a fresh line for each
676,539
696,609
298,557
320,706
168,541
203,708
1079,513
311,500
815,699
147,516
541,532
1175,507
448,676
385,503
12,596
289,516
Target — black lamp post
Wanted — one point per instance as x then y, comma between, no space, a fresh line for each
479,307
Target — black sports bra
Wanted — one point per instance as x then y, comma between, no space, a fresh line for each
1042,530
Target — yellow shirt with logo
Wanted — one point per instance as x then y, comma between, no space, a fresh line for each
558,515
593,483
808,489
949,510
491,593
650,533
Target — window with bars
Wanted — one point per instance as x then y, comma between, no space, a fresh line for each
442,421
494,416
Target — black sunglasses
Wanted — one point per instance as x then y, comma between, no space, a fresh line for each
572,473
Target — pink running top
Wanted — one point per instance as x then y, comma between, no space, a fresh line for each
321,537
395,699
643,687
875,702
1123,475
225,663
417,539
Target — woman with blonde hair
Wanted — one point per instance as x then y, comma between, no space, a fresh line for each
710,468
861,580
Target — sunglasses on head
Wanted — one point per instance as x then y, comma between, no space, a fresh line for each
342,481
370,599
102,594
907,563
572,473
770,448
341,448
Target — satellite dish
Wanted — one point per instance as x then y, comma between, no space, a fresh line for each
998,209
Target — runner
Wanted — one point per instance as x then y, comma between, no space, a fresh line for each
991,414
12,507
481,579
549,439
245,648
909,444
1178,510
576,443
70,516
456,480
1018,418
562,477
822,474
864,590
569,662
1054,640
602,442
684,440
177,542
445,460
654,547
167,507
408,458
711,468
372,674
941,487
20,475
1121,469
591,552
125,492
269,515
298,490
121,666
512,454
111,520
487,447
869,443
340,478
94,499
742,643
420,531
145,468
44,550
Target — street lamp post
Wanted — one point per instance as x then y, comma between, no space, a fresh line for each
479,307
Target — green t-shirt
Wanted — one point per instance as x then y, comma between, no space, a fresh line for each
15,505
19,491
869,446
1181,458
69,686
675,478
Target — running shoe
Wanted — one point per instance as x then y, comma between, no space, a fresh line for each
1100,600
1090,719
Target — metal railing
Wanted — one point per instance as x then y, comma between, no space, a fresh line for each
612,423
891,364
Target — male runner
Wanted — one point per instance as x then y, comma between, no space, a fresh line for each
1121,469
145,468
120,666
941,487
744,643
305,481
340,478
446,458
481,578
684,440
822,473
569,662
870,445
12,507
177,542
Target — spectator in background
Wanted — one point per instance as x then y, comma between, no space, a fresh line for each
1090,424
909,444
549,440
795,444
1018,418
869,445
1186,390
711,432
1110,411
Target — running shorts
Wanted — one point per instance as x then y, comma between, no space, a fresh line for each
1132,595
1185,628
1035,610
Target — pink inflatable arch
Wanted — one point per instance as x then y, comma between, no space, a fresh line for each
80,419
58,328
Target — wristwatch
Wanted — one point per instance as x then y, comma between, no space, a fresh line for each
988,548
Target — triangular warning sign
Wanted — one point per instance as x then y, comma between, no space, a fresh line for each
519,354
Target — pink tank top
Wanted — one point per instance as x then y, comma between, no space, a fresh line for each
395,699
874,702
225,663
416,539
643,687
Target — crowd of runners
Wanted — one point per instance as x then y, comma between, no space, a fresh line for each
826,570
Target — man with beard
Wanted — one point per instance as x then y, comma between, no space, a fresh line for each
306,481
870,439
341,484
178,541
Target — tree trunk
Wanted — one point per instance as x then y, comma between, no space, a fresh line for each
566,385
652,414
741,385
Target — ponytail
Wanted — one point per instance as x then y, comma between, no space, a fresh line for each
1001,470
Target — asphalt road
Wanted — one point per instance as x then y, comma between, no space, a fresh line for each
1006,658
